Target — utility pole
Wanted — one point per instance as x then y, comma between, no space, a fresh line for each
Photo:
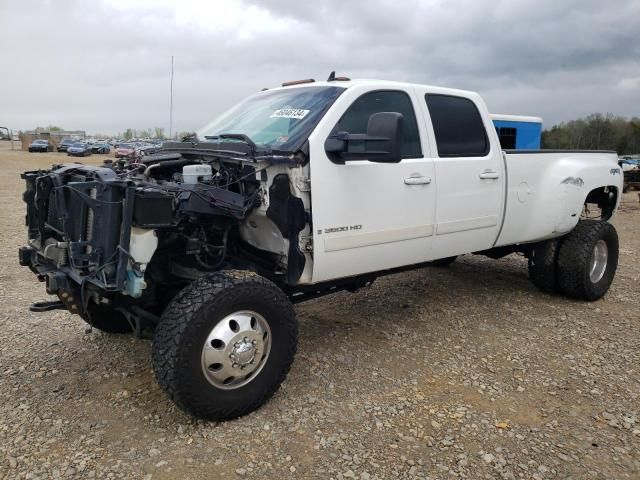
171,103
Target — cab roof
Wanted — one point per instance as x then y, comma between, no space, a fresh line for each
383,84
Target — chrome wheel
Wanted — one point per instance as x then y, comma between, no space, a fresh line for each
236,349
599,259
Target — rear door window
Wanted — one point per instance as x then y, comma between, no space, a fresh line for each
458,126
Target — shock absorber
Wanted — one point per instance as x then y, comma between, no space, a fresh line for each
89,231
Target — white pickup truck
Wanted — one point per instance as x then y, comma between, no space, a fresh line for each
298,192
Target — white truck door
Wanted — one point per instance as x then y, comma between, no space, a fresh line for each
470,175
370,216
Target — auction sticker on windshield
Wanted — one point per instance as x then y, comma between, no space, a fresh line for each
297,113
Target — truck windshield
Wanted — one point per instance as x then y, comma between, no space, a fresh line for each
280,120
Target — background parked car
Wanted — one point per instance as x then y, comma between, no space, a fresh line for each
101,147
79,150
628,163
64,144
145,149
41,146
125,150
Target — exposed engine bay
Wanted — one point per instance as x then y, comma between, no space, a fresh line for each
131,233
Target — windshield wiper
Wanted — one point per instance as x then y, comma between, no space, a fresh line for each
235,136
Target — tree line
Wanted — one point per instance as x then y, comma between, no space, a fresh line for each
128,134
157,132
131,133
595,132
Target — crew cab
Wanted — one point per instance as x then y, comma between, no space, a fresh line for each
297,192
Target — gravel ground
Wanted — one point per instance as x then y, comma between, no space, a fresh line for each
466,372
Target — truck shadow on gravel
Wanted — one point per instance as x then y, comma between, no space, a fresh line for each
420,306
341,337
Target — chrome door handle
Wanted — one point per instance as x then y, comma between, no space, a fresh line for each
417,181
489,175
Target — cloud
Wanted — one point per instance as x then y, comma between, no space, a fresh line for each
105,66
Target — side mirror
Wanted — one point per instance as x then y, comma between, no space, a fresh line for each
381,143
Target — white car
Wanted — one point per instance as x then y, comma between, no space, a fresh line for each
298,192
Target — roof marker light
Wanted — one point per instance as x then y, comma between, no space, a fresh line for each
298,82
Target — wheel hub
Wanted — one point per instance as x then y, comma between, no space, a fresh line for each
599,259
244,352
236,349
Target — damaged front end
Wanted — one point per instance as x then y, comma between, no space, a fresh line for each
77,227
127,236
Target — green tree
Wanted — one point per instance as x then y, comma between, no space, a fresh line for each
180,135
50,128
595,132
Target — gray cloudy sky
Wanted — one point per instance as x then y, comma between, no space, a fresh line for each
104,66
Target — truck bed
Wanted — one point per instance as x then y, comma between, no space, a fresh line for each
546,190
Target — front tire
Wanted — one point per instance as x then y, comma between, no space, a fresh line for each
588,260
225,344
